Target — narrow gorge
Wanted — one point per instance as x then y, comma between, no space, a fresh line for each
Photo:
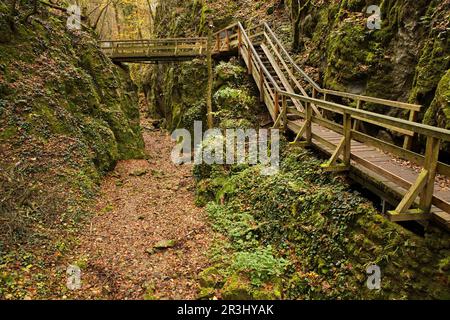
93,206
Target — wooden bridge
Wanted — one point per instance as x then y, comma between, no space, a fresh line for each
298,104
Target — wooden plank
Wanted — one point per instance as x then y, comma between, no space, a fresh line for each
384,102
412,193
412,215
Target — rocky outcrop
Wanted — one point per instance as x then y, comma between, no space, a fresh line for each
68,114
404,60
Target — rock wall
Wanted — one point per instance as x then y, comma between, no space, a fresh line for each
405,60
67,115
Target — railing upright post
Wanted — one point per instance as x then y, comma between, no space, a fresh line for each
407,143
227,40
249,57
219,44
356,123
430,165
239,40
308,131
348,138
210,78
261,84
276,104
284,113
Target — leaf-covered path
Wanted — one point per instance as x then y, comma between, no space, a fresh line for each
143,203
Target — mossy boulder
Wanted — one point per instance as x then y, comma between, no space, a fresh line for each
238,287
229,73
211,277
439,112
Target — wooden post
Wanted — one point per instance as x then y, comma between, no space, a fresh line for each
276,104
250,64
261,84
356,123
284,113
227,39
219,44
210,79
407,143
308,132
348,138
239,40
430,165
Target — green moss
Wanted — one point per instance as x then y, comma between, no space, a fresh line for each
326,233
439,112
8,132
211,277
239,288
433,63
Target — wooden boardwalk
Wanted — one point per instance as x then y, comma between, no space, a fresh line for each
370,165
326,120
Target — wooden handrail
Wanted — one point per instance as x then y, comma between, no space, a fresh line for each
227,28
356,97
290,60
384,102
419,128
258,59
155,40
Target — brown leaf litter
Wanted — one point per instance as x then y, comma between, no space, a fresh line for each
144,203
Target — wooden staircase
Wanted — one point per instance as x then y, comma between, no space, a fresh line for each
279,78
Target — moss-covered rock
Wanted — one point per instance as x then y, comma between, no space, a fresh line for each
229,74
439,112
327,233
405,60
67,115
210,278
238,287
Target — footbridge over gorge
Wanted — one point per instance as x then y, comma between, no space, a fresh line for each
298,104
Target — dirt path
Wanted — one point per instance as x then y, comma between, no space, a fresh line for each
142,203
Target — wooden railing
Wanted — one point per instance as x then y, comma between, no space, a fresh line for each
424,184
154,48
299,82
261,33
314,100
